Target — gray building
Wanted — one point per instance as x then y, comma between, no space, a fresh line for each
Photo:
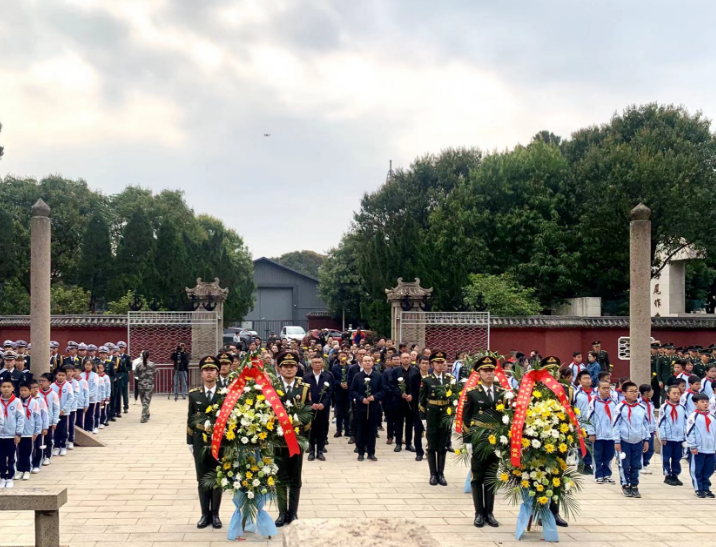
283,296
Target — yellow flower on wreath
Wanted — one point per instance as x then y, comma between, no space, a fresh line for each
540,488
549,448
564,428
244,483
270,481
254,468
500,407
260,398
492,439
249,475
563,448
537,394
542,500
504,477
269,425
448,393
525,484
561,416
449,411
230,435
517,472
525,443
279,393
577,411
556,482
250,402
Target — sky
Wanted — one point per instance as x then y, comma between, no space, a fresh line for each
180,93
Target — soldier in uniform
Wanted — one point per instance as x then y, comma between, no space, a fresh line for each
21,355
434,403
199,399
602,356
481,400
123,370
655,374
55,357
144,376
288,487
665,369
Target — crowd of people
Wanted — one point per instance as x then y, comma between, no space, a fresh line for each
87,387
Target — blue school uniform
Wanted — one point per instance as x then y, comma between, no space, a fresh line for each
632,429
13,425
672,429
701,435
599,423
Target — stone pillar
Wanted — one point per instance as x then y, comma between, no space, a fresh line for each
407,297
639,295
208,293
40,287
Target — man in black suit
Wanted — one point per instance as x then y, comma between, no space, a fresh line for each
366,394
399,382
321,384
481,400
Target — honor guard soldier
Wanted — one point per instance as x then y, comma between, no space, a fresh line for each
199,440
481,400
22,355
602,356
55,357
71,358
434,403
288,487
125,367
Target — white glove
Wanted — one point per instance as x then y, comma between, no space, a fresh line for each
191,449
468,446
425,424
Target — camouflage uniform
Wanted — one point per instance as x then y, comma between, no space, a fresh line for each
144,375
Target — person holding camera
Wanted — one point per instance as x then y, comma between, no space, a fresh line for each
180,358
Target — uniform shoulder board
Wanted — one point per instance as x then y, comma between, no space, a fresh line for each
194,390
471,389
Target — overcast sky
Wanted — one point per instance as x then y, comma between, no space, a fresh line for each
179,93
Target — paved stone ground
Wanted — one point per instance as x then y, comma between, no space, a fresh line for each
141,491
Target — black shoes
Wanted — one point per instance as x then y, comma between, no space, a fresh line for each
419,458
441,468
479,521
626,490
700,494
709,494
397,448
409,448
216,522
321,457
204,521
281,520
560,521
311,457
432,464
337,434
441,480
360,457
352,440
491,521
373,458
587,470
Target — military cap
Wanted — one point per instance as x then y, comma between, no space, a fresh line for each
438,356
208,362
485,363
91,347
21,344
550,360
10,355
223,357
54,344
67,349
121,344
655,345
103,349
705,351
596,343
82,345
72,344
287,358
669,346
8,344
29,345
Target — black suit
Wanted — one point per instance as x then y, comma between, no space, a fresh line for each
402,409
319,427
478,404
366,415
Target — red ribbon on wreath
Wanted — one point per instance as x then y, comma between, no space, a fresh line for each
523,400
472,382
235,390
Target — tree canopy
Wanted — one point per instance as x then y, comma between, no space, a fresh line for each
103,247
307,262
552,215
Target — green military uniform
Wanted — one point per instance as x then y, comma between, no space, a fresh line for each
288,485
665,369
479,401
602,357
434,402
200,440
654,376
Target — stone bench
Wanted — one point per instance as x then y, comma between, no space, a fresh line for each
383,532
46,503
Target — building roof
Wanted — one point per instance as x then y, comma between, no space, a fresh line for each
79,321
279,265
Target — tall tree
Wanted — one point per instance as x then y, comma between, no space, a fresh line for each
341,285
96,264
134,266
307,262
172,265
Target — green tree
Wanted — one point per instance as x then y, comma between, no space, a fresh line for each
96,264
500,295
340,285
123,304
66,300
172,264
307,262
134,266
2,149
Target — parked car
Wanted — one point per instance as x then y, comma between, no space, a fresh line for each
292,333
244,336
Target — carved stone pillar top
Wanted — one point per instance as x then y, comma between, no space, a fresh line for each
412,291
205,288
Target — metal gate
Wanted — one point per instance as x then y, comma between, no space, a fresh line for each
160,332
447,331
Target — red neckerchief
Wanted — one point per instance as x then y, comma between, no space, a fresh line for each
61,386
606,407
102,375
27,406
589,394
674,414
42,392
630,407
707,419
87,375
648,408
5,405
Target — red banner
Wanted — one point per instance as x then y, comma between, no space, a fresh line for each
256,371
523,401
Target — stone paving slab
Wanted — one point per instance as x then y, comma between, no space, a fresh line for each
141,491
